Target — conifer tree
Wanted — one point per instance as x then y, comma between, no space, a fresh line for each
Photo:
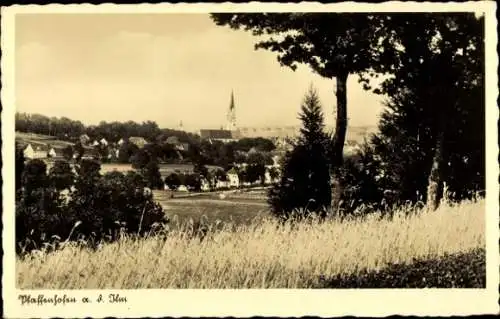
305,179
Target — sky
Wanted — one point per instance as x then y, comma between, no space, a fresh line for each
166,68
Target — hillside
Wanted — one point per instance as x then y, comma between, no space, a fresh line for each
40,140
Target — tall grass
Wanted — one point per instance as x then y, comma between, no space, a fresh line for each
261,255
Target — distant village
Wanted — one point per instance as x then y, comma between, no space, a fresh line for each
36,146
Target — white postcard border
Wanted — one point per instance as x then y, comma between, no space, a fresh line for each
273,302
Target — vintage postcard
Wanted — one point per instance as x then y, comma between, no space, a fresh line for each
250,159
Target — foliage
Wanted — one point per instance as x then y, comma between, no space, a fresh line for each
361,192
96,207
173,181
245,253
334,45
19,165
34,175
79,150
68,153
220,175
192,182
62,128
146,161
103,152
61,175
305,177
126,151
435,95
259,143
458,270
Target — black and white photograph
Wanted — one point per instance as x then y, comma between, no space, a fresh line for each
242,150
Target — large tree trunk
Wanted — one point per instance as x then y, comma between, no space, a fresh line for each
435,176
339,140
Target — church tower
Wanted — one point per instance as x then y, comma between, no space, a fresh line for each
231,114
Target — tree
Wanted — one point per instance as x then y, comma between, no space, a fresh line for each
79,151
103,151
127,151
152,175
19,166
334,45
34,175
436,101
274,173
200,170
193,182
305,178
220,175
173,181
87,176
255,172
68,153
61,175
147,163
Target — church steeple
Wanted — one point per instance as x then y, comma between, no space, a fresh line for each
231,115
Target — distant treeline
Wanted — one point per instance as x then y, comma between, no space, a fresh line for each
69,130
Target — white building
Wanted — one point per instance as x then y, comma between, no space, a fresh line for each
103,142
52,152
234,180
205,185
276,160
222,184
31,152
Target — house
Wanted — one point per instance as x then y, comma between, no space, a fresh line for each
222,184
182,188
174,141
51,152
84,139
218,135
95,143
103,142
276,160
120,142
205,185
267,177
140,142
37,151
234,180
28,151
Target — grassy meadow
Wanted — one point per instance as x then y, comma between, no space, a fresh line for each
262,254
237,208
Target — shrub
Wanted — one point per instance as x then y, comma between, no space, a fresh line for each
34,175
61,175
173,181
193,182
101,206
361,190
460,270
68,153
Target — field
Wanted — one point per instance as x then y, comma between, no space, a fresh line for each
40,140
240,208
444,248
